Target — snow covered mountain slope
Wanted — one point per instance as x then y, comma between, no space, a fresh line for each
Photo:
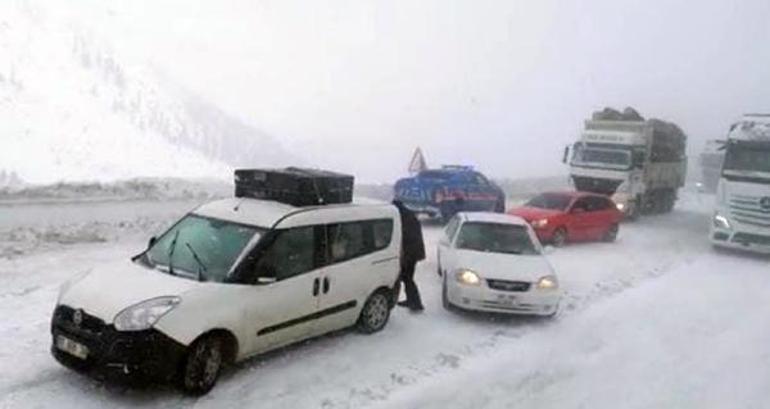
70,109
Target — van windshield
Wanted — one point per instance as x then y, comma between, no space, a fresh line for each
202,247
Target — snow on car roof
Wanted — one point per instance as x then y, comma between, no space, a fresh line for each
263,213
488,217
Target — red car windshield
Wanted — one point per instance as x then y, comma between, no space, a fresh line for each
550,201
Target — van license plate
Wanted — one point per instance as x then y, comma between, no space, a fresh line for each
71,347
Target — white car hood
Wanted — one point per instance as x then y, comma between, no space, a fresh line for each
105,292
499,266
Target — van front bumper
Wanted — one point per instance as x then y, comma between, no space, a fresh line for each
135,356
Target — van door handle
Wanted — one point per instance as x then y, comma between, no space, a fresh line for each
327,284
316,286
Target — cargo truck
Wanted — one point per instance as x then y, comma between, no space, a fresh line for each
742,215
640,164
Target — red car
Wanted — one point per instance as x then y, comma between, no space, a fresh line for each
560,217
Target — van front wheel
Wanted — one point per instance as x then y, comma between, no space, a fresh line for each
375,313
202,366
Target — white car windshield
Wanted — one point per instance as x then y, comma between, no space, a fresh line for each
495,238
202,247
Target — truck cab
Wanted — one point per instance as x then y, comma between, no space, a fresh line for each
742,212
639,164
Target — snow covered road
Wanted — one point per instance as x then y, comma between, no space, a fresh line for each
654,320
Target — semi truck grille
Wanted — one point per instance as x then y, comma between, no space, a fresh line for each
504,285
750,210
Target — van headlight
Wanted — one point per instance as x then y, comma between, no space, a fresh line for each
468,277
721,222
144,315
549,282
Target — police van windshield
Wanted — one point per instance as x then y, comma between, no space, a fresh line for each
201,247
495,238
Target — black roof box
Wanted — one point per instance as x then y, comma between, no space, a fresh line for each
294,186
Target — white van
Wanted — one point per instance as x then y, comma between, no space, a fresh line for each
232,279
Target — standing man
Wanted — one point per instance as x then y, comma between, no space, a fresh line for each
412,251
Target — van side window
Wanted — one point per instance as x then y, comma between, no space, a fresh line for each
383,233
291,253
346,241
355,239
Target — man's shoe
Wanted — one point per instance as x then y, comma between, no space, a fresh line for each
416,308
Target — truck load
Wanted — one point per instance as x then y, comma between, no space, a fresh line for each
641,163
294,186
742,214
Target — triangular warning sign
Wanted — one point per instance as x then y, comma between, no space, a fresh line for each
417,164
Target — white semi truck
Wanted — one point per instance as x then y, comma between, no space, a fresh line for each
640,163
742,215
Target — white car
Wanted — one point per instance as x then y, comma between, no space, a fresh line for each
232,279
494,262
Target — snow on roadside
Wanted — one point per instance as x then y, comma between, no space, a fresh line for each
698,337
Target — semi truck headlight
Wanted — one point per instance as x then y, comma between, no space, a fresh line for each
144,315
468,277
721,222
548,283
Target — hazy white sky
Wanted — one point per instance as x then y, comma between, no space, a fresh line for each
357,85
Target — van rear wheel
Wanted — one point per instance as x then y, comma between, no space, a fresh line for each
375,314
202,366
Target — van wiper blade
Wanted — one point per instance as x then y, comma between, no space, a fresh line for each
171,250
202,266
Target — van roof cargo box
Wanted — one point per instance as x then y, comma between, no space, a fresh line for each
294,186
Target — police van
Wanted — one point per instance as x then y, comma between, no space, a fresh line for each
232,279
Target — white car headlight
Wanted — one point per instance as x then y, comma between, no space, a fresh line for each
620,206
144,315
548,283
539,224
468,277
721,222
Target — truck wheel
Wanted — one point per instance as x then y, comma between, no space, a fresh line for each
375,313
559,237
201,368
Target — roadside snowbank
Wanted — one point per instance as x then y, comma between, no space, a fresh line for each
695,338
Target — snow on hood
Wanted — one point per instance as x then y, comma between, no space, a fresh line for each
533,213
501,266
107,291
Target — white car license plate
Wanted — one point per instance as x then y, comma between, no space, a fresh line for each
71,347
508,301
